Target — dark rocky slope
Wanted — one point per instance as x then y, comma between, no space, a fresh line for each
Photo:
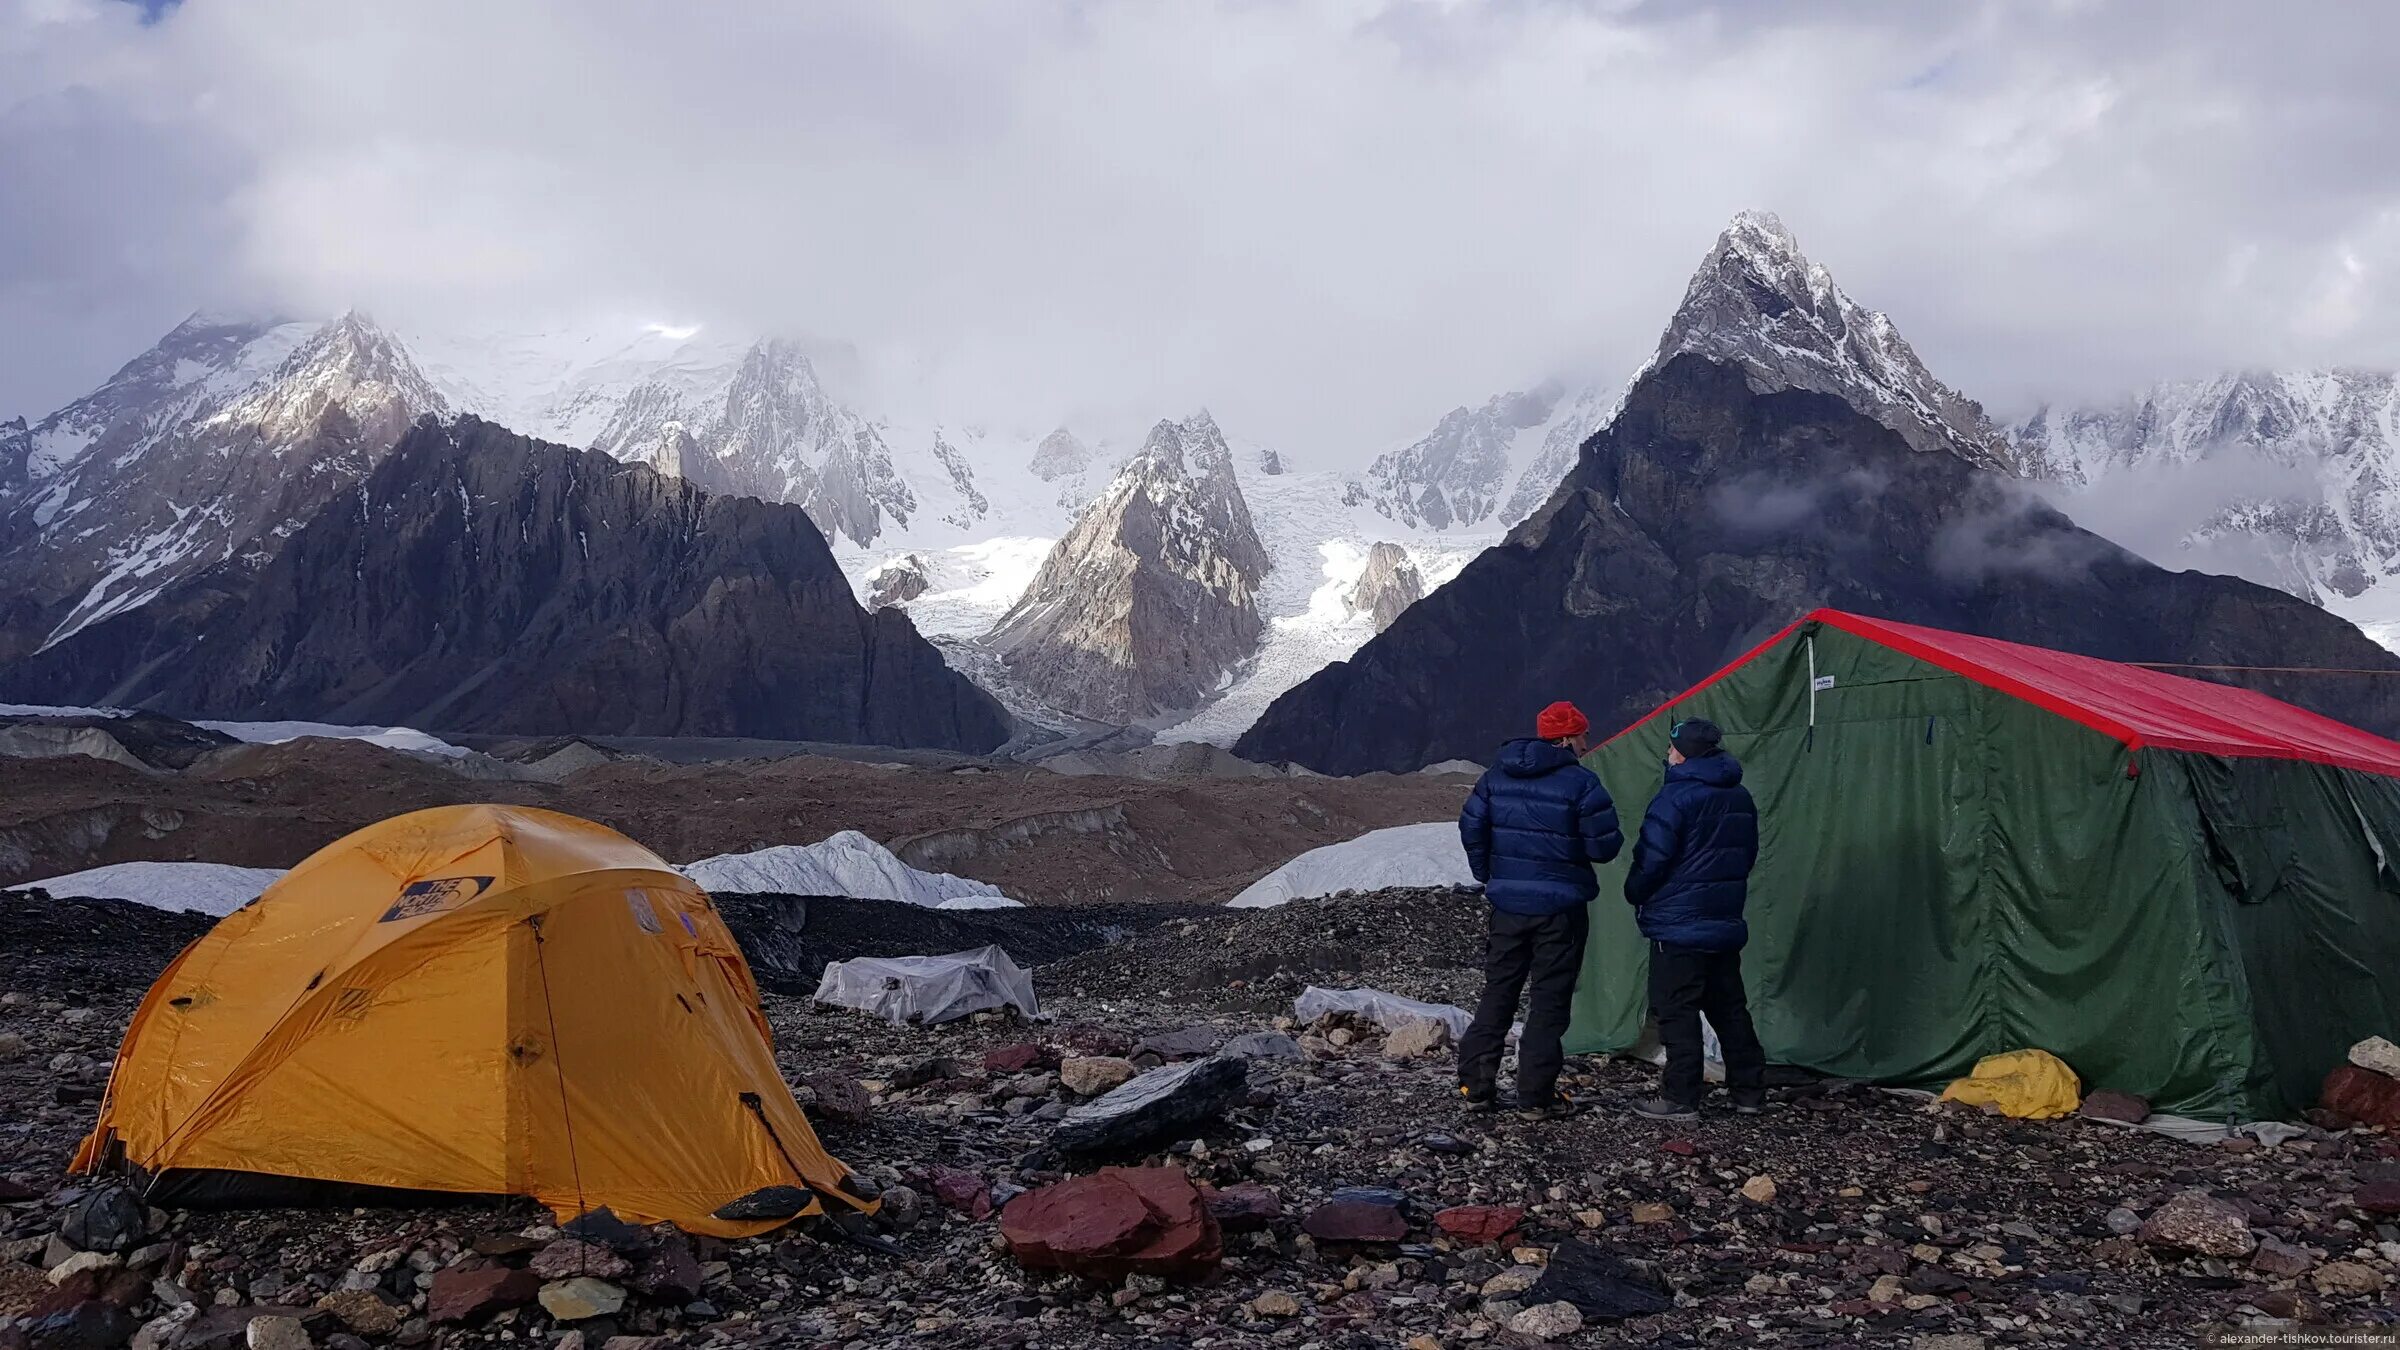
478,580
1708,515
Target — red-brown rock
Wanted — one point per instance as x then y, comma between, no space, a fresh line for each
1244,1207
2363,1095
2378,1197
464,1295
670,1272
2108,1104
1115,1222
1681,1148
1347,1219
961,1190
1480,1225
1015,1058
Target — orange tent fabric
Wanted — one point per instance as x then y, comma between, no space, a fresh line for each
486,1000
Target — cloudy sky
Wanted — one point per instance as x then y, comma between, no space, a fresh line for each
1327,221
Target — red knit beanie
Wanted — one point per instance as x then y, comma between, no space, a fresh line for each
1561,720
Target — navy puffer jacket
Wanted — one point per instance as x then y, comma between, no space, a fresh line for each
1534,826
1691,866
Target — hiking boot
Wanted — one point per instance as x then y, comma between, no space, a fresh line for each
1557,1106
1479,1099
1665,1108
1749,1103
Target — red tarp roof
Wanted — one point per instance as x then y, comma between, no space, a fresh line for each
2134,705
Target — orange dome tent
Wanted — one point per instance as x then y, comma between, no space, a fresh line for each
484,1000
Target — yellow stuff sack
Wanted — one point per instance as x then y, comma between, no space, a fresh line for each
2026,1084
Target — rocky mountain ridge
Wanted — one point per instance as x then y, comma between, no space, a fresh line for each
2291,478
478,580
1711,513
211,447
1150,600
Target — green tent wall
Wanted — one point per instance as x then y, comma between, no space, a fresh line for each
1955,861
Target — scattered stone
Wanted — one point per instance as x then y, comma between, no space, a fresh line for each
1244,1207
1014,1058
2377,1055
463,1295
2347,1277
1188,1043
1275,1303
1168,1103
1094,1075
109,1219
275,1332
1480,1225
1547,1321
11,1045
962,1190
2362,1095
1358,1214
604,1227
580,1298
569,1257
363,1312
2195,1221
1759,1190
1653,1212
79,1262
934,1069
1262,1045
838,1098
1512,1283
2280,1259
92,1324
2123,1222
1116,1222
2379,1196
2108,1104
671,1273
1417,1038
1600,1285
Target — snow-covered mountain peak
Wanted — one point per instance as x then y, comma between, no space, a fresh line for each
1060,455
1757,300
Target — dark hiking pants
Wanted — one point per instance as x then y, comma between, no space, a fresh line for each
1545,951
1685,983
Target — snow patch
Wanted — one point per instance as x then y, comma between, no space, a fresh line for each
392,738
211,888
1403,855
847,863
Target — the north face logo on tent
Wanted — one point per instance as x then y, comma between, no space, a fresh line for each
435,895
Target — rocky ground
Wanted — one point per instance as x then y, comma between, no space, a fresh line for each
1847,1216
1045,838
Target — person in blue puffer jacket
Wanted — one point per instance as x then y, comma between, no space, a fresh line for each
1533,828
1689,882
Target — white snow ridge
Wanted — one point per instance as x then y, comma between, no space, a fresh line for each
1403,855
847,863
211,888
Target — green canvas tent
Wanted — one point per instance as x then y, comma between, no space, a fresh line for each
2184,890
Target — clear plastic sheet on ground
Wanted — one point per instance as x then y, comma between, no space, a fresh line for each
1384,1010
929,989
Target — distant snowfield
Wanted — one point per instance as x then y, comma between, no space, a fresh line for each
392,738
972,584
1403,855
847,863
1318,546
211,888
266,733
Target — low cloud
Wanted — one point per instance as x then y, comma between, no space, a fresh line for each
1328,222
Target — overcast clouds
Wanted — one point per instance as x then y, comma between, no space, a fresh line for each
1329,222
